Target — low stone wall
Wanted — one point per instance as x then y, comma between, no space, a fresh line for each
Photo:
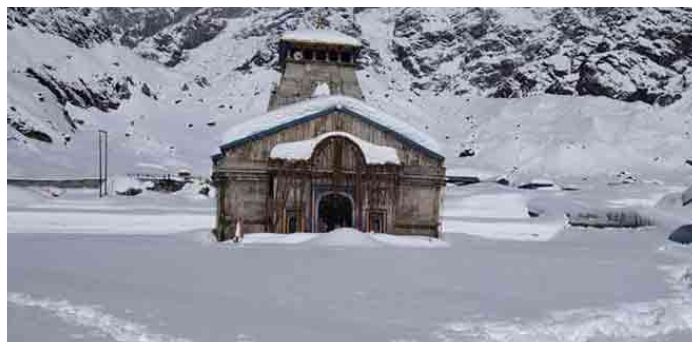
65,183
620,218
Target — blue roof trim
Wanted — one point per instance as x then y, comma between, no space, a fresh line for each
264,133
216,157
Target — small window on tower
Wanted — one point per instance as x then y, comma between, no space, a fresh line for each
333,56
377,221
296,55
308,54
321,55
345,57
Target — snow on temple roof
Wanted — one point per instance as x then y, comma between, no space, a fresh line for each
283,117
320,36
302,150
321,90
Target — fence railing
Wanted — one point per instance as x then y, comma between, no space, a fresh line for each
161,177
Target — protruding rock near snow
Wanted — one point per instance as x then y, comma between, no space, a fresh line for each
127,186
687,195
682,235
539,184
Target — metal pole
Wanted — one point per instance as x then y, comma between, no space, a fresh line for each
106,173
99,162
102,175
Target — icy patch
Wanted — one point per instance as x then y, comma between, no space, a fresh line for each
409,241
502,205
105,223
277,238
303,150
628,321
650,201
525,230
497,216
91,317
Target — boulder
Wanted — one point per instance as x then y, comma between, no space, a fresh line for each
687,196
682,235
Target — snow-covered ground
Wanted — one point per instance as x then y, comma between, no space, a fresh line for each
146,268
509,267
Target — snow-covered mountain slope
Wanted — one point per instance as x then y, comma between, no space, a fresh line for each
166,83
625,53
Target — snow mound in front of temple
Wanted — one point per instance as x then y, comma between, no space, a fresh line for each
350,237
345,237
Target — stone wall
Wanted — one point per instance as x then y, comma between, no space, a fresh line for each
299,81
263,191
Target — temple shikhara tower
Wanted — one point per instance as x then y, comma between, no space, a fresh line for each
321,158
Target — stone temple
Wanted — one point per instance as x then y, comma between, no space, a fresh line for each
321,158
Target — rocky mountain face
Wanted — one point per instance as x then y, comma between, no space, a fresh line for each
157,77
629,54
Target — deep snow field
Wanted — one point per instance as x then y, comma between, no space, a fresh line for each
509,266
145,268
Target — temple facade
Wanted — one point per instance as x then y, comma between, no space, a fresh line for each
322,158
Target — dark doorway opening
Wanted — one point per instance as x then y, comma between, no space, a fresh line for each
334,211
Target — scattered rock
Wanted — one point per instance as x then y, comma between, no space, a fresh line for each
687,196
503,181
201,81
130,192
537,184
29,131
682,235
467,153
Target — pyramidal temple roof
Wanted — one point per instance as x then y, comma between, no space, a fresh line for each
281,118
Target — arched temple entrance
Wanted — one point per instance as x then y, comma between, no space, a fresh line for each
334,211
